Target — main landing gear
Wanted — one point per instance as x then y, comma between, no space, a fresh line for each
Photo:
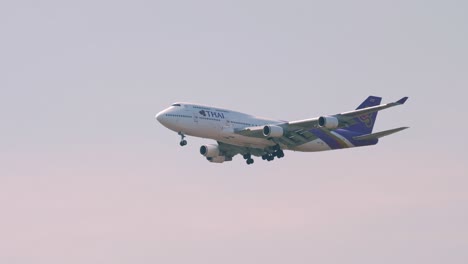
269,156
276,153
183,142
248,159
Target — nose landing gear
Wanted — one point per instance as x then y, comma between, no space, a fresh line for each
183,142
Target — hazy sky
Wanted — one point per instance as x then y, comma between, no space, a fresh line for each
88,176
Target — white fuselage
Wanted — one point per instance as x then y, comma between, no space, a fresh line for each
220,125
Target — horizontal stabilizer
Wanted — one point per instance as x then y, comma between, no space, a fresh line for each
379,134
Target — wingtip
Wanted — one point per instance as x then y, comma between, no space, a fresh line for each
402,100
401,128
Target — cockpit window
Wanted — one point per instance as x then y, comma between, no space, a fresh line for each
176,105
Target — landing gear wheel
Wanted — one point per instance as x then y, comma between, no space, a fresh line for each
248,158
183,142
270,157
279,154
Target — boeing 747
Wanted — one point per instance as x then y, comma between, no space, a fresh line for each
248,135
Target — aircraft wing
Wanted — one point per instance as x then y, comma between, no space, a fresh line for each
298,132
293,134
372,109
347,118
256,131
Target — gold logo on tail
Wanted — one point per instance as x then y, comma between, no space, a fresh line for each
366,119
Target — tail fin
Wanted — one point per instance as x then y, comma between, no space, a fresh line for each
365,123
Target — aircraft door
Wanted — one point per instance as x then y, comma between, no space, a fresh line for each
227,127
195,117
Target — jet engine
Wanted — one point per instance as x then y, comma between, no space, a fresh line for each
273,131
219,159
210,150
329,122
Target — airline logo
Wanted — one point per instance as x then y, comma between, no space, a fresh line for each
211,114
366,119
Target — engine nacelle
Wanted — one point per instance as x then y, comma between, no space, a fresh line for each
219,159
273,131
329,122
209,151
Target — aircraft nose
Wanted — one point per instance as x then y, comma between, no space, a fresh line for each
160,116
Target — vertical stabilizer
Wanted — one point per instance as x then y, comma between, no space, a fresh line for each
365,123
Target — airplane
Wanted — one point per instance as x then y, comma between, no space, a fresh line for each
249,135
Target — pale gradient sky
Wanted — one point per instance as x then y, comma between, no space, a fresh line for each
88,176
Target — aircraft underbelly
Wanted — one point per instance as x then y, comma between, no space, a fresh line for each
224,135
201,132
